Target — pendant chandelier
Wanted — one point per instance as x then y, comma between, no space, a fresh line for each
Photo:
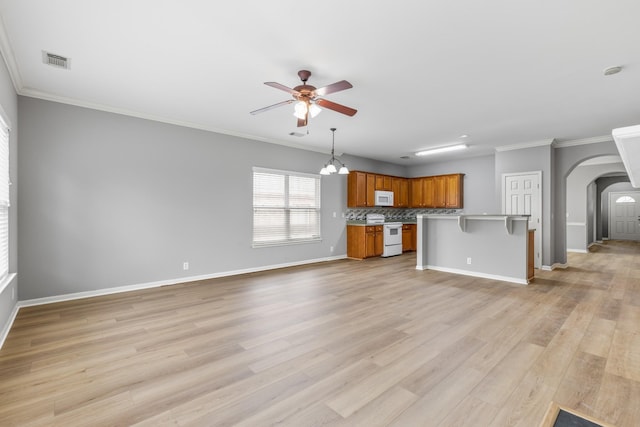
334,164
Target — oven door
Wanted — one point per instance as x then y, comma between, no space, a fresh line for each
392,234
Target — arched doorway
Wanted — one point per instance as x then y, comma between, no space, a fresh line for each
583,204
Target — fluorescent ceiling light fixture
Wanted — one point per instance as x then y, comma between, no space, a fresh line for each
628,142
441,150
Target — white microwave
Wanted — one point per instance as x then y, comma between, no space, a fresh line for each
383,198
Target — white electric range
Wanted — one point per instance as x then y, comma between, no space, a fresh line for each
392,232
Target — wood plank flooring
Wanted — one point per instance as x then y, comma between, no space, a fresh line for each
344,343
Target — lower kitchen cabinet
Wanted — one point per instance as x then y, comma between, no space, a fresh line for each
364,241
409,237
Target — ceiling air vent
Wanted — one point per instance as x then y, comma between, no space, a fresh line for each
55,60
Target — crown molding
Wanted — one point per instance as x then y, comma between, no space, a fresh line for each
583,141
523,145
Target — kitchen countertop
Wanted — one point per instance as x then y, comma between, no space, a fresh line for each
364,222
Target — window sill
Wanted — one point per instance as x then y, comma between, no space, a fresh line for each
285,243
6,281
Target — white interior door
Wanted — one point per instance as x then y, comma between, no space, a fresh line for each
624,215
522,195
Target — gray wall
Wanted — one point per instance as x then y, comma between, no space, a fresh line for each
605,186
9,104
530,160
493,252
478,181
108,200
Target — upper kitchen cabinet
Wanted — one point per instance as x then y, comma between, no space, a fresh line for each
383,182
454,195
440,191
361,188
422,192
416,198
400,188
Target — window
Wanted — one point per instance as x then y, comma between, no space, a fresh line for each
625,199
4,199
286,207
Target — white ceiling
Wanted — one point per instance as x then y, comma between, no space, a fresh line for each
424,72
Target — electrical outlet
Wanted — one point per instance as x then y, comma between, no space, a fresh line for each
334,215
469,260
331,249
185,265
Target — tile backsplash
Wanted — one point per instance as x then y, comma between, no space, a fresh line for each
395,213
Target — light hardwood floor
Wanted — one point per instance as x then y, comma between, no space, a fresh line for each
348,343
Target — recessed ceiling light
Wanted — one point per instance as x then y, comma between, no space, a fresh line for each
405,157
464,135
441,150
612,70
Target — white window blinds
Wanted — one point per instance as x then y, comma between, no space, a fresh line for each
286,207
4,199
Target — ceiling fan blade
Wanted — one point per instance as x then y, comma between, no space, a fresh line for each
336,107
335,87
270,107
282,87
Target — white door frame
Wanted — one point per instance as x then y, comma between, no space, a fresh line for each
611,197
538,233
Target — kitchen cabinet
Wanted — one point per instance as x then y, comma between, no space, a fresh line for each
416,198
422,192
428,192
409,237
400,188
364,241
454,194
360,189
383,182
439,191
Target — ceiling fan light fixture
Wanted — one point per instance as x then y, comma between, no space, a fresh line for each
314,110
310,100
300,110
441,150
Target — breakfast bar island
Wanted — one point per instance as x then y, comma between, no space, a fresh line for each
496,247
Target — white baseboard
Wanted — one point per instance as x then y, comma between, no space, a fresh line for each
554,266
149,285
579,251
475,274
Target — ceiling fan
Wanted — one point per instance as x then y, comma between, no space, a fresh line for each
308,98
